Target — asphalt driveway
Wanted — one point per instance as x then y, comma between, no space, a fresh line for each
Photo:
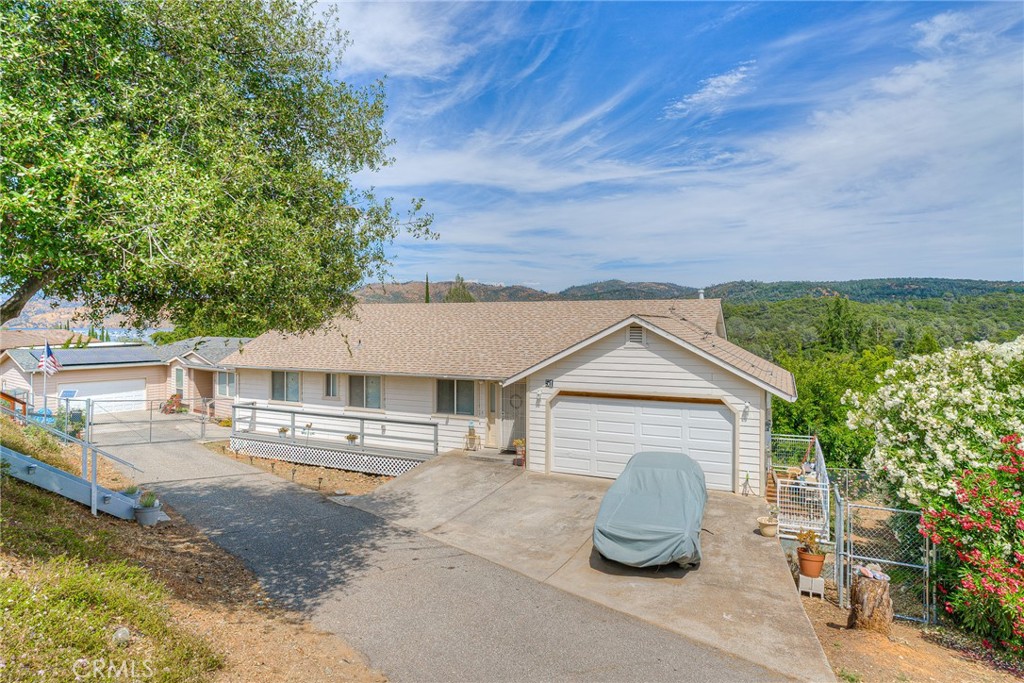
741,600
419,608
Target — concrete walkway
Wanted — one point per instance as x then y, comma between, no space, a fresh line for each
420,609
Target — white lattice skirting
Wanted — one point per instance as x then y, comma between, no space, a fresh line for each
324,457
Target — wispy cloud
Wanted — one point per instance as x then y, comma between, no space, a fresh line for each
714,93
900,162
416,40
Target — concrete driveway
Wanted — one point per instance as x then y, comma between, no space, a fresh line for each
419,608
741,600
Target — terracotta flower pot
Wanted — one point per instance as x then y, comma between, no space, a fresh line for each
810,565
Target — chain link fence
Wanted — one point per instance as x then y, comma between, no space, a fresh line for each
870,532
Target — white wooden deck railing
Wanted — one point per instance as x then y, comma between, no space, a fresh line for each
331,430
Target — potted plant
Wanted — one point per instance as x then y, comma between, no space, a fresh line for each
133,492
520,446
352,438
769,525
148,509
282,431
810,554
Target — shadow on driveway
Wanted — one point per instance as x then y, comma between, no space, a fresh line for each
295,541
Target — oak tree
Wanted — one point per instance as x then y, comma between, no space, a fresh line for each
190,160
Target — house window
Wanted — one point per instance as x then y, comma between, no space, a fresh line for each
284,386
635,335
179,381
456,397
332,385
225,384
364,391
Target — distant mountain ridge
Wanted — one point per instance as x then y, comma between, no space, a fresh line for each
45,313
741,291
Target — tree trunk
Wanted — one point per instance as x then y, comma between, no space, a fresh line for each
12,307
871,605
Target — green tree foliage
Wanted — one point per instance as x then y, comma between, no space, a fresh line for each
832,345
190,160
840,328
822,381
426,289
459,292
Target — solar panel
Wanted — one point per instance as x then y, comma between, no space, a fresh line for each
69,393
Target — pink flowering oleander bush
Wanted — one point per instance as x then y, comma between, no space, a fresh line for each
934,416
980,534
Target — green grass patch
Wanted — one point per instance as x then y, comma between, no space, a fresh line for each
39,525
61,616
72,591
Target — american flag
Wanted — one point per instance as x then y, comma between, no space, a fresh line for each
48,362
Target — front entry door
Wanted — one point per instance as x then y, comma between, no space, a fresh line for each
493,433
513,415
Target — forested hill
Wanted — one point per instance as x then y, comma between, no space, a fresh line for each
742,291
867,291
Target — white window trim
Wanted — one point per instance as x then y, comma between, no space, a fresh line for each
285,400
233,383
337,386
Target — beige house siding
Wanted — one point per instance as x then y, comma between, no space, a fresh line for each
657,368
153,374
404,398
11,376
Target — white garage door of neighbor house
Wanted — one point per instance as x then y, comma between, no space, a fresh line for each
114,396
597,436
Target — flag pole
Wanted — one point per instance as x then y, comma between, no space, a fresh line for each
45,373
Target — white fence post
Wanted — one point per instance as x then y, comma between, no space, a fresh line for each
93,482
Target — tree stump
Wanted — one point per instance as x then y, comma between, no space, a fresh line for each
871,606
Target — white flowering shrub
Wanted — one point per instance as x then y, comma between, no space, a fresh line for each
934,416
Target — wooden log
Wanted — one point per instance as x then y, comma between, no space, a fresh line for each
871,606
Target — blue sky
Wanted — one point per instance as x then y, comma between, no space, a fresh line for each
696,143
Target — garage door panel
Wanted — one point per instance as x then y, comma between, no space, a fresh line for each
661,431
615,429
565,443
610,427
708,436
111,396
606,448
610,468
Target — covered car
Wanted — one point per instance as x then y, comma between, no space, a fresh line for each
652,514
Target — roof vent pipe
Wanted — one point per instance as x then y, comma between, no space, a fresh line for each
700,293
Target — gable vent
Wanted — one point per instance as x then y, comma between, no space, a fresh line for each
636,334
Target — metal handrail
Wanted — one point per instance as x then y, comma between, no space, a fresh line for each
252,422
87,447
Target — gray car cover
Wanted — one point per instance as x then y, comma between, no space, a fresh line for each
652,514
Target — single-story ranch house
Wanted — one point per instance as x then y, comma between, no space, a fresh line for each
584,383
123,378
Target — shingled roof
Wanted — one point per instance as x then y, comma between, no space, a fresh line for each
21,339
493,340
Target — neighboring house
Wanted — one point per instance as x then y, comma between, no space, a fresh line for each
125,378
585,383
18,339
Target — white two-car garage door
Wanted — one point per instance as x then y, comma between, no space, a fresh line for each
596,436
113,396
